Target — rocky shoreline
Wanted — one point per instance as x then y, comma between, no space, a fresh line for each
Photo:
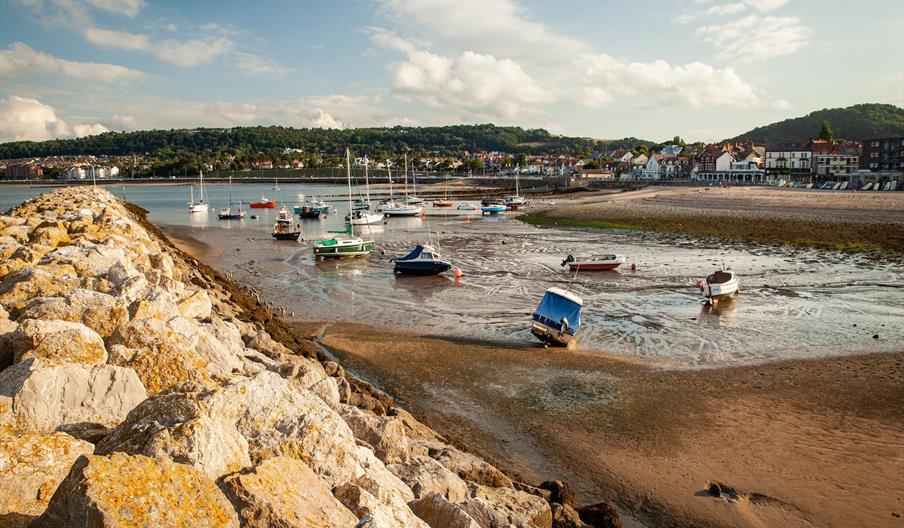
139,387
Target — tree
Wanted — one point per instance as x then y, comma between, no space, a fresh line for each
678,141
641,149
826,131
521,160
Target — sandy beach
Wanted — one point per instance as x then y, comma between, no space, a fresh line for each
802,443
847,220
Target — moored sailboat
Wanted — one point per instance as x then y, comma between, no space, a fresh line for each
198,206
344,243
226,213
393,208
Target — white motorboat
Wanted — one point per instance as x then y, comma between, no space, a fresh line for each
593,263
558,317
364,217
720,285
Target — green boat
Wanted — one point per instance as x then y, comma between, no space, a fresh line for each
344,243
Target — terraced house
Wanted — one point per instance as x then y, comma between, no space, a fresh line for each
834,160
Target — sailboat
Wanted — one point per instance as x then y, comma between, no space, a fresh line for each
393,208
361,215
423,260
226,212
346,244
515,201
411,200
198,206
276,183
445,202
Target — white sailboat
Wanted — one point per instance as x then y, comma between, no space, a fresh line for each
197,206
515,201
362,215
276,183
393,208
344,243
226,212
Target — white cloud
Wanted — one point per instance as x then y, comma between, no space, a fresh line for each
129,8
191,52
23,118
117,39
595,97
20,59
253,64
727,9
766,5
782,104
659,83
752,38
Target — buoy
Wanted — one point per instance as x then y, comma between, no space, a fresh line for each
382,251
633,266
458,273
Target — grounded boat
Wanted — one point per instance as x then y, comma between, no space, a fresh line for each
393,208
312,208
423,260
198,206
362,217
284,229
593,263
226,212
347,245
263,203
558,317
515,201
720,285
493,209
443,203
466,207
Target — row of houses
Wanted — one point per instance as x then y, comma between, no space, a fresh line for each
814,161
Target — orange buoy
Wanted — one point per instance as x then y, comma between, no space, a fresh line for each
458,273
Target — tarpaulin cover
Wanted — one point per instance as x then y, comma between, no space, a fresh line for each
554,307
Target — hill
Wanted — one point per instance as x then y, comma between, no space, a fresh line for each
854,123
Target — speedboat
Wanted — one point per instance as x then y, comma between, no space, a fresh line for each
284,229
720,285
263,203
312,208
423,260
227,214
362,217
393,208
558,317
593,263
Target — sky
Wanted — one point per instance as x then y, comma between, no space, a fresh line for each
701,69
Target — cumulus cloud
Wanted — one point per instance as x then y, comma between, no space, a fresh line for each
20,59
129,8
753,39
733,8
253,64
191,52
659,83
23,118
107,38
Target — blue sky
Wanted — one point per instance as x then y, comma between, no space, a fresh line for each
703,69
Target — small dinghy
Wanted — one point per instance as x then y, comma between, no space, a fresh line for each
284,229
719,285
423,260
594,263
557,318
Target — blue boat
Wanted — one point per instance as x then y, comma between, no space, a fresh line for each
558,318
423,260
493,209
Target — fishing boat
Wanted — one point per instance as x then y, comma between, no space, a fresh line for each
312,208
393,208
423,260
344,243
197,206
558,317
283,228
593,263
720,285
443,203
263,203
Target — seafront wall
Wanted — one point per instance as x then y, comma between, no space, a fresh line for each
141,388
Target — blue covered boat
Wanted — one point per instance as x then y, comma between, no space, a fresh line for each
493,209
424,260
557,318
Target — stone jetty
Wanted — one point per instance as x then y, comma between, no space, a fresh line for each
141,388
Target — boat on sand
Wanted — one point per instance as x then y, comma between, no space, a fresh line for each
558,317
719,285
593,263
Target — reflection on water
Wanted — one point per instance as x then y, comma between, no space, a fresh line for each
794,303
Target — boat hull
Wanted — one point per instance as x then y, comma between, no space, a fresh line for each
231,216
492,209
343,251
409,212
421,268
263,205
550,336
287,236
593,266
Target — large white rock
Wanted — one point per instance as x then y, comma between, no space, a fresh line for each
505,507
439,512
470,467
98,311
424,476
196,305
58,342
39,397
385,433
379,514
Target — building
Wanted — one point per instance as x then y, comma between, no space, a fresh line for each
23,171
789,160
706,160
883,154
834,160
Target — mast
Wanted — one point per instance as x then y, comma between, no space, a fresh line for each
366,183
406,177
389,173
202,184
348,173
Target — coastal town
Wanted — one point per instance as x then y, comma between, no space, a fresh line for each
819,162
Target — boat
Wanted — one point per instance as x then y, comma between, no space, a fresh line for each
283,228
720,285
423,260
443,203
593,263
263,203
558,317
276,184
414,200
393,208
466,207
360,211
515,201
347,244
226,212
493,208
312,208
198,206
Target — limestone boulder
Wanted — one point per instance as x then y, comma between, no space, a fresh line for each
58,342
505,507
31,468
7,328
262,342
327,390
41,397
88,259
25,284
438,512
98,311
284,492
425,475
470,467
385,433
156,304
374,512
133,490
219,344
371,474
52,234
559,492
197,305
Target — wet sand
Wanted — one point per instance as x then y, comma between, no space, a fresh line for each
845,220
802,443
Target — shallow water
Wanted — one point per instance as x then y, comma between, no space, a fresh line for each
794,303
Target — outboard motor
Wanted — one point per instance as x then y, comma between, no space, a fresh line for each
568,259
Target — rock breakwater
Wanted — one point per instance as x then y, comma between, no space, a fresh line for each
140,388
